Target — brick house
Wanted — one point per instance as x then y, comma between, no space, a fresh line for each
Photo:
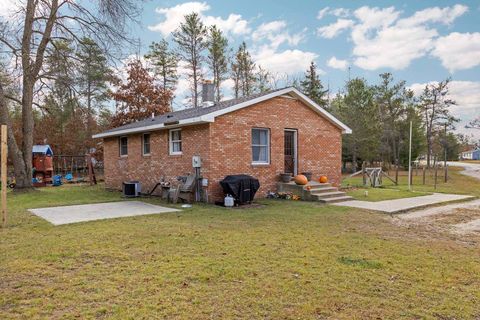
262,135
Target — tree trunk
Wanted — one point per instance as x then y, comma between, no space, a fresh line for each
27,134
429,150
21,177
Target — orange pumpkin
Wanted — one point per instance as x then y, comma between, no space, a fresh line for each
323,179
301,180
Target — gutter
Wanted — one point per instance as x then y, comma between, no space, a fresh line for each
154,127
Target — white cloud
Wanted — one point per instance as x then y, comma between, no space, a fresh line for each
276,33
267,39
322,13
335,63
382,40
393,47
373,18
337,12
458,51
340,12
332,30
435,15
288,61
467,96
173,16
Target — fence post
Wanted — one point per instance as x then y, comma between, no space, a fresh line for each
411,177
363,174
396,171
436,175
423,175
3,160
446,172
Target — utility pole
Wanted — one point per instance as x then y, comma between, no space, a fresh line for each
445,159
410,160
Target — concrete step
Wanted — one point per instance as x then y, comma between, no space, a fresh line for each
323,190
317,185
325,195
335,199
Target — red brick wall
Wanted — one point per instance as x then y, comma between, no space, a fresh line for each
150,169
319,143
225,148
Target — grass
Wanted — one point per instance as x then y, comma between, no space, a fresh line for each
380,194
457,183
285,259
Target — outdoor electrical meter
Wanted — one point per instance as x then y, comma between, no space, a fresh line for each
196,162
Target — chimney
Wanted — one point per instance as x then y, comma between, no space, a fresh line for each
208,94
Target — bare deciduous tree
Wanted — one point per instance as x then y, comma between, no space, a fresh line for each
27,40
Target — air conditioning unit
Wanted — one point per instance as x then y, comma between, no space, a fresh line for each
132,189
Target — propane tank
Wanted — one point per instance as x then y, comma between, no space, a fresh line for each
228,201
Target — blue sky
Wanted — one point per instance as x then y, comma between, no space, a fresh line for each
418,41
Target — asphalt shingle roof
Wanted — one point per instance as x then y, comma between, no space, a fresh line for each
188,113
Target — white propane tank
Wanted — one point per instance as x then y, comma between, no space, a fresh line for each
228,201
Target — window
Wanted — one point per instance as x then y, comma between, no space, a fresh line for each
260,146
123,146
146,144
175,141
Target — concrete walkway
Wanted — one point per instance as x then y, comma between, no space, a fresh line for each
89,212
428,212
404,204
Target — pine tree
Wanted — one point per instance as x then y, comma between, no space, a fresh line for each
434,105
312,86
356,108
243,72
191,38
93,77
263,80
164,62
217,58
393,101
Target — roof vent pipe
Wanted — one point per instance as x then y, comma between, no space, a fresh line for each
208,94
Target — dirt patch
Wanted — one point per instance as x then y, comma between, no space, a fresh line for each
459,222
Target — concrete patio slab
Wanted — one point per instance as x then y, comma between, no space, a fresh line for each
405,204
89,212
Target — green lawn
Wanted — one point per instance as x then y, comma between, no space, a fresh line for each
379,194
283,260
457,183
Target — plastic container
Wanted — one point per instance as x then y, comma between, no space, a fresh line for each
228,201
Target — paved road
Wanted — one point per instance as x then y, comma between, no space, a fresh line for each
471,169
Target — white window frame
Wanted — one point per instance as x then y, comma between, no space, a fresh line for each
120,146
170,142
267,162
149,143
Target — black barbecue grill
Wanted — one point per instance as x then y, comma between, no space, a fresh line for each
241,187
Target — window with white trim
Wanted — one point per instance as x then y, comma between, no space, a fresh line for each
175,141
146,144
260,146
123,146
